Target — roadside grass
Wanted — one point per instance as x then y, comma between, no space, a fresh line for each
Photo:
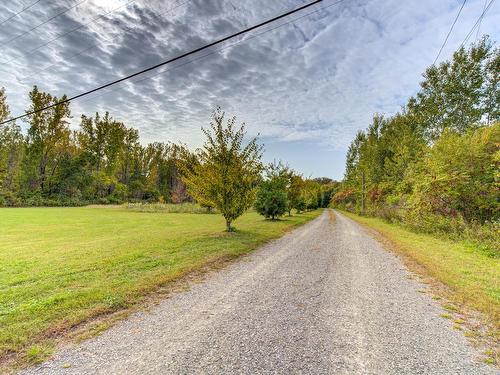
181,208
62,267
471,277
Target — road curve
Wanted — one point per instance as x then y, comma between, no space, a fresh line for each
324,299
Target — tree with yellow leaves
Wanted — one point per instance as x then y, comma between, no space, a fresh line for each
227,172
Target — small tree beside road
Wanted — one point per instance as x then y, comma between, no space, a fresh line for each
272,197
227,171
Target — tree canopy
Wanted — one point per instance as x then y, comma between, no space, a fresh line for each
434,165
227,172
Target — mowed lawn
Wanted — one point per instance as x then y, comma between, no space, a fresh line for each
62,266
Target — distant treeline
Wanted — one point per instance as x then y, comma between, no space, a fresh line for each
101,162
435,166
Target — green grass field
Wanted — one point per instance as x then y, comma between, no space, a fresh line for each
63,266
472,276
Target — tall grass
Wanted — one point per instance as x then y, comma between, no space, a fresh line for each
180,208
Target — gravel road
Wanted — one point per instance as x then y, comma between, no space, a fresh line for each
324,299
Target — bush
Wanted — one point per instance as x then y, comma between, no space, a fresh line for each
485,235
9,199
390,214
271,201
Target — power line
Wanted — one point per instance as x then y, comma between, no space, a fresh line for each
449,32
477,22
479,25
79,53
18,13
199,49
219,50
32,51
41,24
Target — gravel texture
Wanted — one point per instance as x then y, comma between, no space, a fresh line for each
324,299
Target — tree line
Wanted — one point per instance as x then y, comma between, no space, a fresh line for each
101,162
435,165
104,162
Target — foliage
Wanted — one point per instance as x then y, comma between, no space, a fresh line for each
4,107
456,178
47,141
271,201
294,194
457,94
227,172
101,162
272,197
434,166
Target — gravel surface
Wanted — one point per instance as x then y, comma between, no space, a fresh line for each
324,299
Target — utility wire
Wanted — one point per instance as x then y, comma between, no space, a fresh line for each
41,24
294,21
32,51
18,13
199,49
479,25
477,22
449,32
79,53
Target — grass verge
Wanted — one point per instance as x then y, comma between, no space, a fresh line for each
459,272
61,268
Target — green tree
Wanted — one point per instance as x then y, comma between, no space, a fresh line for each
272,199
311,194
458,94
458,176
295,194
11,153
228,171
48,137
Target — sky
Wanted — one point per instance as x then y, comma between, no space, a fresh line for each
305,85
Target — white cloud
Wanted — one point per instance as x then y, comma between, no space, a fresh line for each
318,80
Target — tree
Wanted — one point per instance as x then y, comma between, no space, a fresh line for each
311,194
457,176
4,107
435,163
295,194
228,171
272,200
11,152
460,93
48,136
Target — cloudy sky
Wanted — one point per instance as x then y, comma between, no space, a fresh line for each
306,87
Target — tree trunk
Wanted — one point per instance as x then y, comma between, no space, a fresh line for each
42,176
228,226
363,192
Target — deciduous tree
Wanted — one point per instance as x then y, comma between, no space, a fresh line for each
228,171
